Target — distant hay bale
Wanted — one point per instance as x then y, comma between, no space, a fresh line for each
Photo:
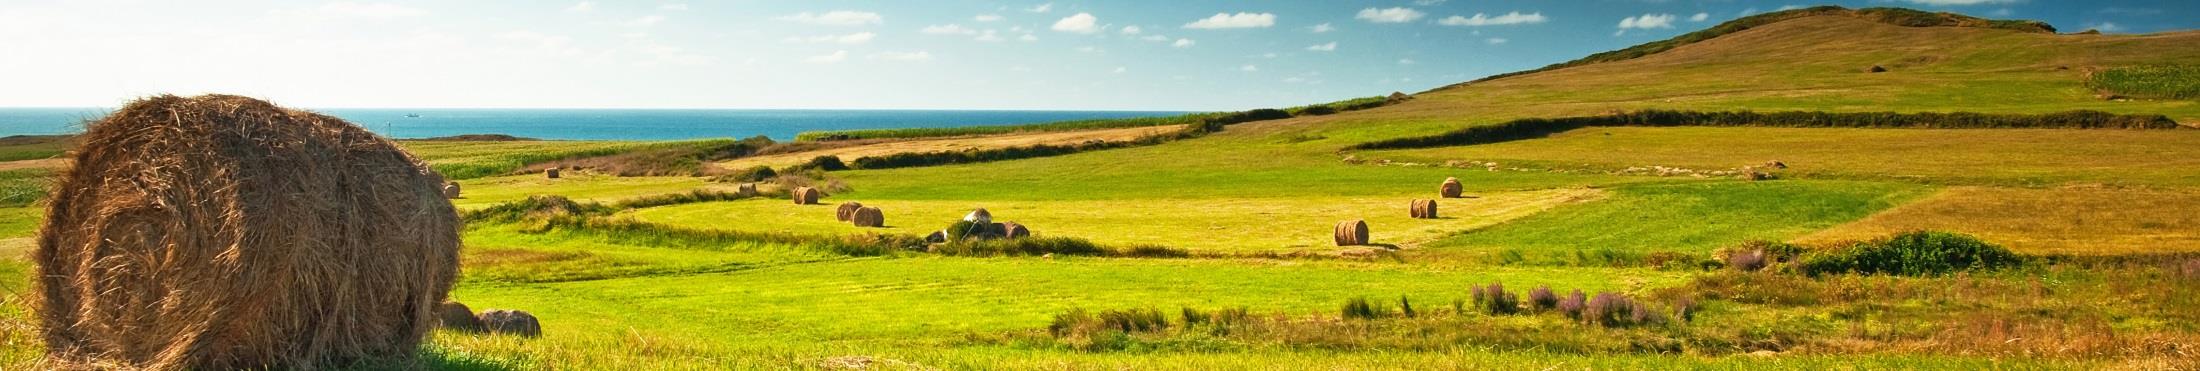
224,232
868,217
450,190
1011,230
456,316
979,216
805,195
996,230
1875,69
936,237
512,322
551,173
748,190
1751,174
1352,233
847,210
1396,97
1451,188
1424,209
1775,164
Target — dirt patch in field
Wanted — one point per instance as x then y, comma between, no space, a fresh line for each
850,153
2086,221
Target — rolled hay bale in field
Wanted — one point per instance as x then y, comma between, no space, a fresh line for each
868,217
1451,188
805,195
1775,164
1750,173
996,230
551,173
224,232
450,190
511,322
1424,209
748,190
1875,69
847,210
1352,233
456,316
1011,230
979,216
936,237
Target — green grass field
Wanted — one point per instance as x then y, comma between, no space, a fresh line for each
1561,211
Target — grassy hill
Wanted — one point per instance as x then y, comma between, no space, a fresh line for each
1632,211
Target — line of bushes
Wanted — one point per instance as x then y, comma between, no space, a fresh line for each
1894,16
1074,125
1531,128
1915,253
1202,128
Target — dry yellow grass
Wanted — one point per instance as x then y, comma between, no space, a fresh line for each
851,153
44,163
2087,221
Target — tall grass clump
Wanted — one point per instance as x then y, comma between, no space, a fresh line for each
23,187
1922,253
1532,128
1494,300
2162,81
1542,299
1361,308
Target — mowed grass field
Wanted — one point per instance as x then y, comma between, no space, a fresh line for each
622,301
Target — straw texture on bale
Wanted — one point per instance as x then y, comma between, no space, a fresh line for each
1451,188
511,322
1352,233
551,173
805,195
456,316
868,217
223,232
847,211
1424,209
1011,230
450,190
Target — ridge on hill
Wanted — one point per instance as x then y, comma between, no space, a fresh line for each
1894,16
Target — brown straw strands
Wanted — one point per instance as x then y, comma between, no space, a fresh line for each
223,232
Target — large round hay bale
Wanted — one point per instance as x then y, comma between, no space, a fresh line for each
450,190
996,230
1352,233
748,190
1011,230
869,217
936,236
551,173
979,216
805,195
512,322
455,315
847,210
1423,209
1451,188
223,232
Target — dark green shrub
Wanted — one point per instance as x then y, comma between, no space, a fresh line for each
752,174
1921,253
1532,128
819,163
1542,299
1361,308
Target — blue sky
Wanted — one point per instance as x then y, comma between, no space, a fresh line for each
1130,55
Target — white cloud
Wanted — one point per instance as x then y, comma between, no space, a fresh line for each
368,10
1249,68
1041,8
1083,23
1239,20
645,21
1324,27
986,18
989,36
1496,40
836,18
581,7
854,38
1089,49
1428,2
1407,61
1647,21
1155,37
2106,27
916,56
1330,47
947,29
2003,12
1390,15
1183,43
1699,17
1480,19
673,7
1027,38
1958,2
1132,30
835,57
1294,80
1120,69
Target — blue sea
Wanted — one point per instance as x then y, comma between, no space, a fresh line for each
607,124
